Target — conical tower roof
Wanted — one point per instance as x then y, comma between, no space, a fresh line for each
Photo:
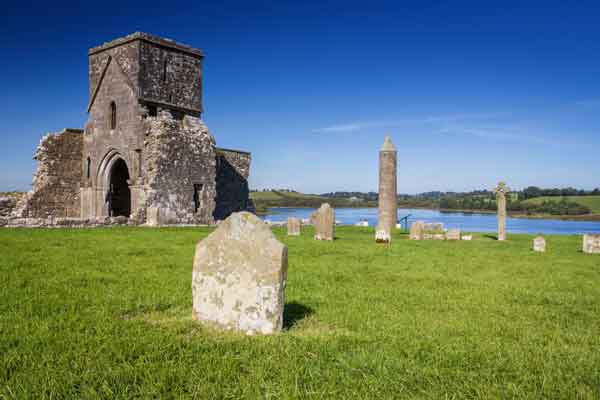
388,145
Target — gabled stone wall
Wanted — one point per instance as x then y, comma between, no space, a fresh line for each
58,177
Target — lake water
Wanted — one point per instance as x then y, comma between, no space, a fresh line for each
466,222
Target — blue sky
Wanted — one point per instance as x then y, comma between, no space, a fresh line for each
470,93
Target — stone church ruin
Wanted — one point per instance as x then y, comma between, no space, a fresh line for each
145,149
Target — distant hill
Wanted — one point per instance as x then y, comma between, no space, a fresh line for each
591,202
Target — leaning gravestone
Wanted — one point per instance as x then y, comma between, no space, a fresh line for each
324,220
539,244
416,230
591,243
239,277
293,226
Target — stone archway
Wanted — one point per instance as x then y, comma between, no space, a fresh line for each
119,188
113,185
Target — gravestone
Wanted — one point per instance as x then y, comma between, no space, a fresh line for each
501,190
416,230
324,220
293,226
453,234
433,226
539,244
591,243
388,198
239,277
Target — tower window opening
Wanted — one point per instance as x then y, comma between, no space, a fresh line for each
164,72
197,191
87,169
113,115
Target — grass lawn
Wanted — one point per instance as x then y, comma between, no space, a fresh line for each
106,313
592,202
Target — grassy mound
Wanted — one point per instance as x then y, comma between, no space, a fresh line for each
107,313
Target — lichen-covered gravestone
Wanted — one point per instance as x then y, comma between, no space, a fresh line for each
591,243
239,277
293,226
539,244
416,230
324,220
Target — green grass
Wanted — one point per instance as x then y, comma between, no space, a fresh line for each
592,202
106,313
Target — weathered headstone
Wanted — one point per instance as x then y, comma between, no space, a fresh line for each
591,243
539,244
453,234
416,230
324,220
293,226
239,277
388,198
433,226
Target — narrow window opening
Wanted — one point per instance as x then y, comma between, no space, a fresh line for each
197,191
152,111
87,169
113,115
164,72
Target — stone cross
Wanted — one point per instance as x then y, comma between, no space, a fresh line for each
324,220
293,226
388,198
591,243
501,190
539,244
239,277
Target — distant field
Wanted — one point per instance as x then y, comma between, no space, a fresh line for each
592,202
106,313
276,195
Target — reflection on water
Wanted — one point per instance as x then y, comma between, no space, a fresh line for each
466,222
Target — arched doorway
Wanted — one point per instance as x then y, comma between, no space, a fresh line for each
120,193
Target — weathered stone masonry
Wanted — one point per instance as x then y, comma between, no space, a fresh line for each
56,182
144,148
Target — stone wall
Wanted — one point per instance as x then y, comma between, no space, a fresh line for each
171,77
58,177
179,155
233,169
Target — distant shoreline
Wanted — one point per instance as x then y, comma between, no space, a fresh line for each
585,217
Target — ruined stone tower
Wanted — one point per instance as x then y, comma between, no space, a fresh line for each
388,202
145,153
